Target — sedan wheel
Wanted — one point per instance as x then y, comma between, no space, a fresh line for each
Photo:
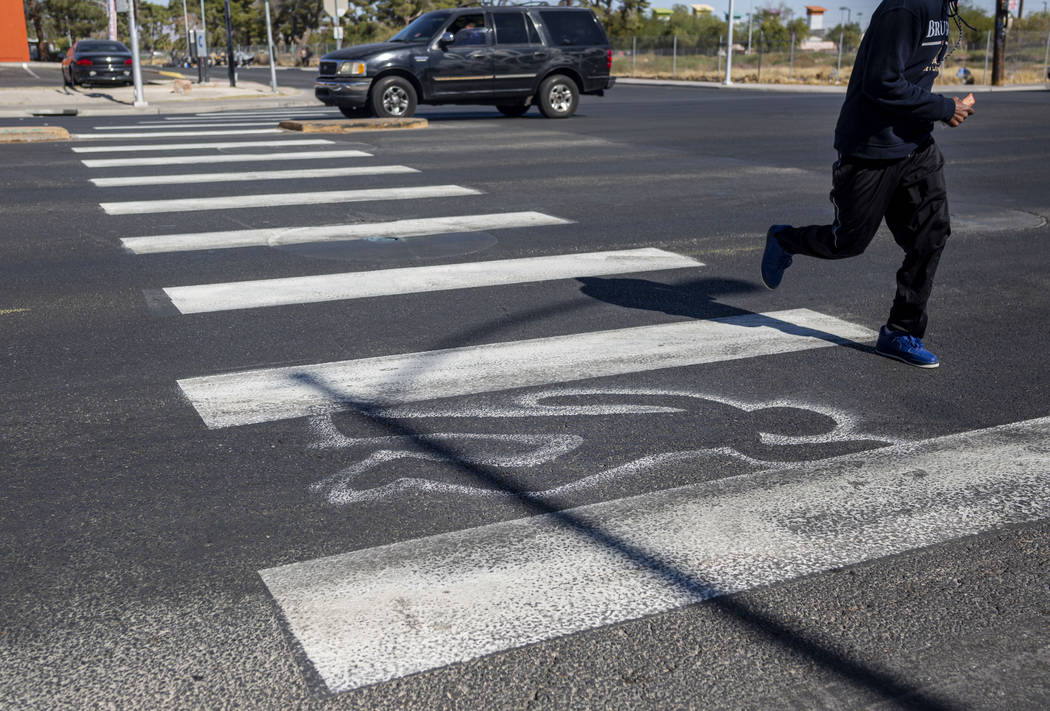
558,96
393,97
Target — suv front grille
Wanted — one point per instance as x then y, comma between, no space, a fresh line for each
329,68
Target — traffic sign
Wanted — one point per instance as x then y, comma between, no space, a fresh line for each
336,8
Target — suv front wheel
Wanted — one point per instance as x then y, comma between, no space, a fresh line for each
393,97
558,96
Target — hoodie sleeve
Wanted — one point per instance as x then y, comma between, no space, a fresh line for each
899,33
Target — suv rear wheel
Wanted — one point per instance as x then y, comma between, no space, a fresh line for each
513,110
393,97
558,96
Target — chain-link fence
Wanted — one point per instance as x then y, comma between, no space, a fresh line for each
1026,58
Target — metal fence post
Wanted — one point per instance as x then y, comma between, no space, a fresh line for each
1046,59
718,53
761,41
791,57
634,55
987,51
674,56
729,46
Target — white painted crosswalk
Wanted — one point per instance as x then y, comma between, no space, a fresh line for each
214,158
231,202
136,148
370,616
277,236
378,614
254,175
413,280
297,391
176,134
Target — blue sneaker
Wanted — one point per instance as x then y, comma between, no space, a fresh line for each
775,259
904,347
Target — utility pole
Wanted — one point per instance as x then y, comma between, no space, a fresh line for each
999,56
269,46
202,59
186,25
230,61
136,69
729,47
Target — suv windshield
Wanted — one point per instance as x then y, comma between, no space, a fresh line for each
422,28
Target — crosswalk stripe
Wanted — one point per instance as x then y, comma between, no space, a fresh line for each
261,293
191,178
161,125
275,236
199,146
297,391
269,112
210,158
177,134
230,202
382,613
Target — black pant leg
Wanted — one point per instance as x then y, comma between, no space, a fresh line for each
861,191
918,218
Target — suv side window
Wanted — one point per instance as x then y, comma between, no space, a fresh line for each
514,28
468,29
573,28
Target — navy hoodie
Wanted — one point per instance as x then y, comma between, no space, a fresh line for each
889,109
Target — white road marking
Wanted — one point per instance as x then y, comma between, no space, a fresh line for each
198,146
222,158
173,134
230,202
412,280
373,615
276,236
297,391
191,178
161,124
268,112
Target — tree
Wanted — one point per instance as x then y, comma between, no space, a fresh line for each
77,18
850,34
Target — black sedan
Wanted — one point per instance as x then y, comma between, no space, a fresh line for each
91,62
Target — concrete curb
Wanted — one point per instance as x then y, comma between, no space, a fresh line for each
354,125
33,134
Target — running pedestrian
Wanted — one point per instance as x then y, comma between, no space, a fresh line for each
889,166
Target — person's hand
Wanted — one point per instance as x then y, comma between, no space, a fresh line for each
962,111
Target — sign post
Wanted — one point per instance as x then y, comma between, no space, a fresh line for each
336,9
729,47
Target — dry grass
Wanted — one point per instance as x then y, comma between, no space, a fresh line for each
808,68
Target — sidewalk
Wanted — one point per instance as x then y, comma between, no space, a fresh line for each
161,97
821,88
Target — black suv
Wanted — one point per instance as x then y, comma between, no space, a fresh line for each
510,57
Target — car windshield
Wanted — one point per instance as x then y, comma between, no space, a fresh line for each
101,47
422,28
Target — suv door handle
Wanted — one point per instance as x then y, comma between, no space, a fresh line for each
477,55
539,55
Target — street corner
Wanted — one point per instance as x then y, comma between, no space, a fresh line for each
354,125
32,134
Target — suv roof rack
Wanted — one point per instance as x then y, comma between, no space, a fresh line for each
512,3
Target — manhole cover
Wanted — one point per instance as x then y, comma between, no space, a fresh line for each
989,219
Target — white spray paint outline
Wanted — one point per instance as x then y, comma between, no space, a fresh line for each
339,490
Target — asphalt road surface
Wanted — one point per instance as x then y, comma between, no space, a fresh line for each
497,414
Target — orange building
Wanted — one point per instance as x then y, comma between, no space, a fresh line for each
14,43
